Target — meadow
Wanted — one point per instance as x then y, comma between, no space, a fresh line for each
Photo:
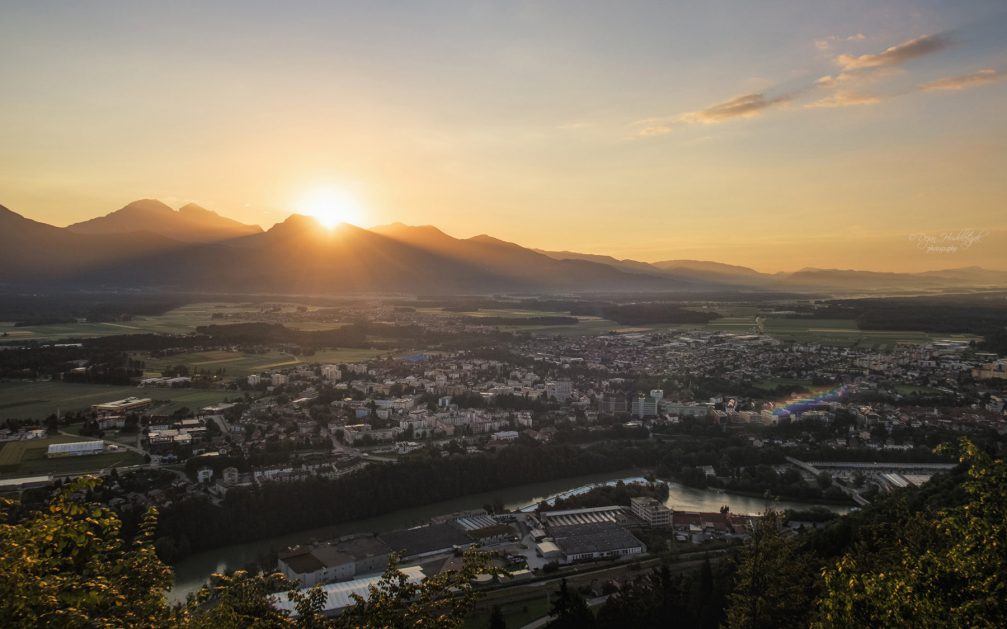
27,458
38,400
183,320
240,364
844,332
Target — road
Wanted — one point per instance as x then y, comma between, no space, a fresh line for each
537,589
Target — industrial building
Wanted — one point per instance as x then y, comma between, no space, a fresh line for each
590,515
76,448
425,541
603,540
339,596
118,407
335,561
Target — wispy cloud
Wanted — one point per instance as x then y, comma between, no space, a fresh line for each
895,55
851,86
843,99
744,106
828,42
855,84
652,127
964,81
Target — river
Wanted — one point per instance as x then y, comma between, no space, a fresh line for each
192,572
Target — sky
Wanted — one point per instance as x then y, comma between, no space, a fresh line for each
777,135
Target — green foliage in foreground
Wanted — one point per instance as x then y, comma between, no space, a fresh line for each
900,563
941,571
942,565
67,566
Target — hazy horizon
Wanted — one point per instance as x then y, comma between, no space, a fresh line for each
965,239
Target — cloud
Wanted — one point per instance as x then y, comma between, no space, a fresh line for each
654,129
843,99
745,106
858,74
964,81
855,84
826,42
895,55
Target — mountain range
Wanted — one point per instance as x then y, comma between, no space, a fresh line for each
148,244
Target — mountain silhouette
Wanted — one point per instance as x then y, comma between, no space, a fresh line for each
190,223
149,245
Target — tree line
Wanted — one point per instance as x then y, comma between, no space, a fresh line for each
271,509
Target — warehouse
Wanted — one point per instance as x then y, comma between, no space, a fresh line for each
76,448
590,515
602,540
339,596
118,407
425,541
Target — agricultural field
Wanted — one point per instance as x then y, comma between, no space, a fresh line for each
182,320
226,362
240,364
346,355
38,400
491,312
28,458
844,332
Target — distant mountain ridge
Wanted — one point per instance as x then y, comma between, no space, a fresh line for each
147,244
190,223
805,279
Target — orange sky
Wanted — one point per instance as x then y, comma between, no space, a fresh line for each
775,135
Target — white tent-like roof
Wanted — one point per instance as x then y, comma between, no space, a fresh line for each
340,595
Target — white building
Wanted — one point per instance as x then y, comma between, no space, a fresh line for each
644,407
651,511
76,448
339,596
562,390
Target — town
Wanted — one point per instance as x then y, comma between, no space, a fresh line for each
827,426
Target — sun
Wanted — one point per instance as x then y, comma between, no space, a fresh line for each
331,206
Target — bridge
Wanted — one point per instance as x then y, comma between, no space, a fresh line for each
879,467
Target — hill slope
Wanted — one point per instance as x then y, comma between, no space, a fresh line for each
190,223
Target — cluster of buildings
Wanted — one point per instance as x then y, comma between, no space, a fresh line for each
388,407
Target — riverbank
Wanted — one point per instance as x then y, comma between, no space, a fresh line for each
193,571
761,495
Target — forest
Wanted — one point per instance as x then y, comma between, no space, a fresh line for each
248,514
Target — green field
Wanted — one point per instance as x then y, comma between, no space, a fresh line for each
38,400
240,364
516,614
28,458
233,363
178,321
347,355
844,332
